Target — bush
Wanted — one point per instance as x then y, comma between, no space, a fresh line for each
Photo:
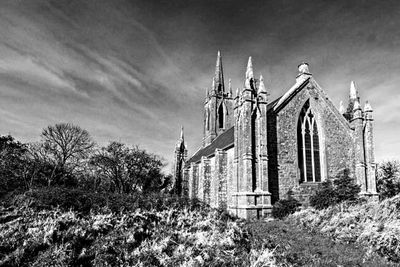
342,189
83,201
388,183
170,237
284,207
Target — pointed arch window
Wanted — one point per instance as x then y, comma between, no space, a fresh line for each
308,146
207,119
221,116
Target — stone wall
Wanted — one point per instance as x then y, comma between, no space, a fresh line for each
336,149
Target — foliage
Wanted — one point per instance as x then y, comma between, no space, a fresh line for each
374,225
388,182
127,170
13,164
342,189
170,237
84,201
294,245
284,207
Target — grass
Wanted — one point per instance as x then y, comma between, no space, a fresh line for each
294,245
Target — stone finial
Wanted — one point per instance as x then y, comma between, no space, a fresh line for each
261,87
230,87
237,92
367,107
353,90
342,109
249,73
182,138
357,105
249,69
304,68
219,75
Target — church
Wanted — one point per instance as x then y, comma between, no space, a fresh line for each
256,151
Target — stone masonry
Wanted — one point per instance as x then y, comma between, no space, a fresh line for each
256,152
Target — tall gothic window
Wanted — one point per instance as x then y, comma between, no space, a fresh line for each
221,116
308,146
207,119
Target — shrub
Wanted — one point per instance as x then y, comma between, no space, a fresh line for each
83,201
284,207
170,237
324,197
342,189
388,183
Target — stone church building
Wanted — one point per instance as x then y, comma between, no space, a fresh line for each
256,151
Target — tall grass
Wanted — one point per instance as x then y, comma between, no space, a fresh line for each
376,225
169,237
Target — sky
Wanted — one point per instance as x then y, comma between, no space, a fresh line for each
135,71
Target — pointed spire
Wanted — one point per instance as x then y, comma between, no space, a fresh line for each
357,105
219,75
230,87
342,109
237,92
261,86
353,91
249,69
367,107
182,138
249,73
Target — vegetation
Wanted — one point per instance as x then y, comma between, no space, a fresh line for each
67,202
296,245
169,237
342,189
284,207
375,225
388,183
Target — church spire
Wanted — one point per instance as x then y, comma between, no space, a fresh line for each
353,91
219,75
357,105
353,98
249,75
182,137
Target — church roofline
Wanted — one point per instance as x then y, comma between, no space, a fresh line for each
222,141
300,83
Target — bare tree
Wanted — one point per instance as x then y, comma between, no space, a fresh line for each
67,144
129,169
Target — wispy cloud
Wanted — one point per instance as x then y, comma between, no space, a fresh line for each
135,71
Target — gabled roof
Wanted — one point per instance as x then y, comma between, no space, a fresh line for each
300,83
222,141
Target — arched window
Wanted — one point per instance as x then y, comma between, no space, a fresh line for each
308,146
221,116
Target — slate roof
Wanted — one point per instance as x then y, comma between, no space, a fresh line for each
222,141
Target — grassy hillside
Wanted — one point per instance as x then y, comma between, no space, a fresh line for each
67,227
189,235
373,225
